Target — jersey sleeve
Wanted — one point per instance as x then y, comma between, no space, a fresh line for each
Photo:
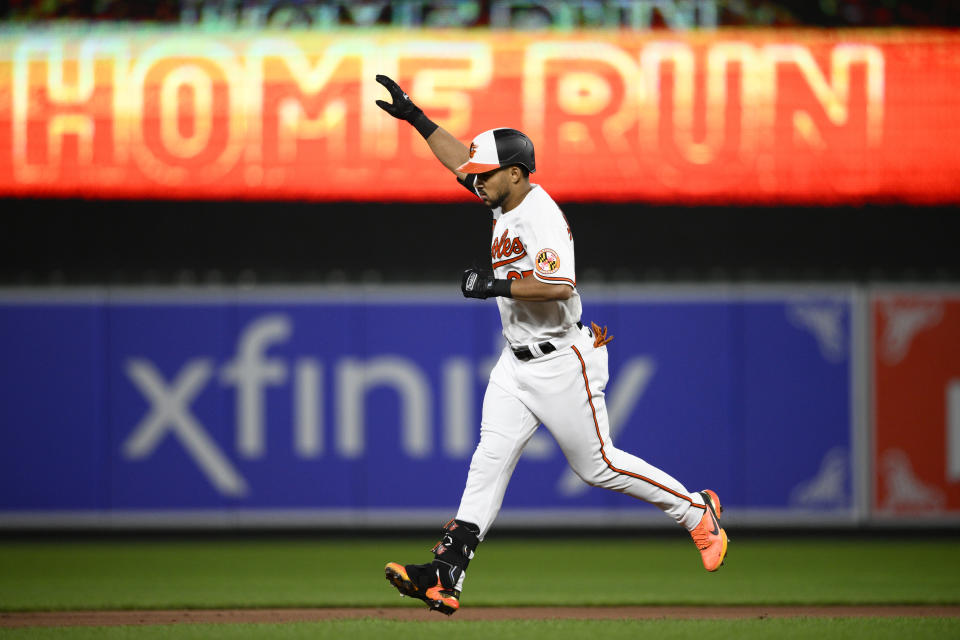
549,242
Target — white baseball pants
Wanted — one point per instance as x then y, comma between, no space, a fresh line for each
565,391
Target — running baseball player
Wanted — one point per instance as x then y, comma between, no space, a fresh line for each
553,369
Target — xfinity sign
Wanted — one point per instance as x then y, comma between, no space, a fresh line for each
365,407
253,370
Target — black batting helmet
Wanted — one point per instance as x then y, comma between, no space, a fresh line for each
499,148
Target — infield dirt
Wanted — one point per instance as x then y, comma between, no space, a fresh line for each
246,616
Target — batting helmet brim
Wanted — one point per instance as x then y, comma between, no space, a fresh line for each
476,167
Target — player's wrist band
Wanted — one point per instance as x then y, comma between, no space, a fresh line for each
501,287
424,125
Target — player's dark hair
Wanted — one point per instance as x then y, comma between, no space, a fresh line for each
523,170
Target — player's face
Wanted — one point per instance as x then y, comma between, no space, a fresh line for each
493,186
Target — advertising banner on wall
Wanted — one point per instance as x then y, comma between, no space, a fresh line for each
916,405
759,116
286,407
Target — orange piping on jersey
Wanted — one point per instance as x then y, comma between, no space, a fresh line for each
509,260
550,280
603,454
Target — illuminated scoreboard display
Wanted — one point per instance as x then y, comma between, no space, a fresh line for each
723,117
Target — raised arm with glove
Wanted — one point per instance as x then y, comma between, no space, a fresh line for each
449,151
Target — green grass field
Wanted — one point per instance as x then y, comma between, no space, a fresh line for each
327,573
442,629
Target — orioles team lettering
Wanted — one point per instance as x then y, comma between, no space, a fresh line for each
506,250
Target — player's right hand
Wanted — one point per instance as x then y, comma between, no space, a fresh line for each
477,283
402,106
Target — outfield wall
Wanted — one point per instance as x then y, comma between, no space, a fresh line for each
360,406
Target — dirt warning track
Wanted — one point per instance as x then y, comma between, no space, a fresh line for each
250,616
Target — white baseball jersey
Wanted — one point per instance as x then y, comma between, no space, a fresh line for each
534,238
563,389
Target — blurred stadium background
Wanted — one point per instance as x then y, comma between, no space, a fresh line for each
228,283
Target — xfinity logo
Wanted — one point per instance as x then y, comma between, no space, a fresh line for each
252,371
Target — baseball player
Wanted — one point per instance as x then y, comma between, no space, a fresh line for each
553,369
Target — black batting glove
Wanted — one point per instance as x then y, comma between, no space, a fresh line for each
480,283
403,108
477,284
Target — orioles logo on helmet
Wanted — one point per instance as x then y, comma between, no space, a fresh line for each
473,149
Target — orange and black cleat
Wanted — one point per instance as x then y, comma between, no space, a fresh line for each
437,597
709,536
